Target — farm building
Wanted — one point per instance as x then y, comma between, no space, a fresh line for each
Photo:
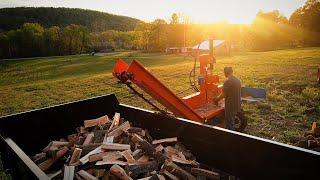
177,50
173,50
221,47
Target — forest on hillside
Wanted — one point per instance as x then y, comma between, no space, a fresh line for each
268,31
95,21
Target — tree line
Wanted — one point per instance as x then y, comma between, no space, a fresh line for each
95,21
33,40
268,31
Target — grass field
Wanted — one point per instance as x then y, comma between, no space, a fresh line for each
288,75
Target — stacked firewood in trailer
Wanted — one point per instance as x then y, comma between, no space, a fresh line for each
310,139
106,148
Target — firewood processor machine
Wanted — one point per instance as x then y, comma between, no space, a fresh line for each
197,107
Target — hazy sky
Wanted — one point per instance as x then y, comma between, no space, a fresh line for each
205,11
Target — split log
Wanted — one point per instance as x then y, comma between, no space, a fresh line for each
136,138
78,177
161,177
177,171
156,177
171,151
73,138
127,154
170,176
150,150
99,173
145,178
159,148
112,156
181,148
39,158
177,159
134,130
81,130
205,173
119,172
51,153
74,160
136,152
148,136
88,139
109,176
181,155
59,143
54,145
99,136
98,156
120,129
147,147
111,162
85,158
141,168
115,146
85,175
142,133
126,140
68,172
49,162
89,146
96,122
80,140
143,159
115,121
166,140
108,139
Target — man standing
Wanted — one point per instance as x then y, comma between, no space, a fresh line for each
232,93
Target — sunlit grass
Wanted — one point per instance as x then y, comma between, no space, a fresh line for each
288,75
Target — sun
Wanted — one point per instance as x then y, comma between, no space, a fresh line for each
210,14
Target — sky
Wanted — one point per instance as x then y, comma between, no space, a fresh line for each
198,11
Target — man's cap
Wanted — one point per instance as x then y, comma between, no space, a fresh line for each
228,70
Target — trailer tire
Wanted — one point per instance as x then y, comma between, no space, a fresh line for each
240,121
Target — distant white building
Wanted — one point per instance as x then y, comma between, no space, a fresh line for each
205,45
220,47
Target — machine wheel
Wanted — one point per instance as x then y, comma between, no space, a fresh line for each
240,122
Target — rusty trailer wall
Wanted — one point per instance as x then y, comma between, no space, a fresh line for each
245,156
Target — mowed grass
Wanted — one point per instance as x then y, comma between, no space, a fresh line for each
288,75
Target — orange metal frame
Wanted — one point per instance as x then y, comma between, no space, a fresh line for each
197,107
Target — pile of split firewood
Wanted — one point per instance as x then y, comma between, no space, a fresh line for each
113,149
310,140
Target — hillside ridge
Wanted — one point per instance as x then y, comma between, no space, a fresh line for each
13,18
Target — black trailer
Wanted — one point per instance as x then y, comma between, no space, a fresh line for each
245,156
